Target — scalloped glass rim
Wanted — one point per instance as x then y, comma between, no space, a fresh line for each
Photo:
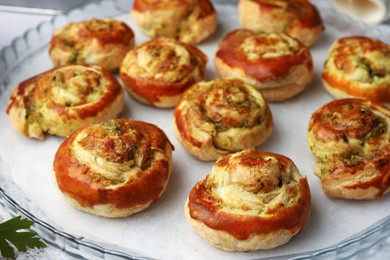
22,48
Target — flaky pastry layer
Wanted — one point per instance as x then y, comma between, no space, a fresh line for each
189,21
115,168
157,72
251,200
61,100
298,18
221,116
358,67
103,42
351,140
277,64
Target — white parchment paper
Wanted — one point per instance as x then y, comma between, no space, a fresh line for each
162,231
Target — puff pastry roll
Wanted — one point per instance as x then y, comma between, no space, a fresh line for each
102,42
114,168
277,64
221,116
157,72
189,21
298,18
61,100
351,140
358,67
251,200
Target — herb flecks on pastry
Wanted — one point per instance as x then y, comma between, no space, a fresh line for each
103,42
115,168
358,67
350,139
298,18
61,100
221,116
251,200
277,64
157,72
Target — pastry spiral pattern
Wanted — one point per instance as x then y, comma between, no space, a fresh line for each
103,42
61,100
189,21
157,72
115,168
251,200
358,67
298,18
351,140
277,64
221,116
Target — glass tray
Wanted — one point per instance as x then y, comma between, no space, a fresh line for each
26,56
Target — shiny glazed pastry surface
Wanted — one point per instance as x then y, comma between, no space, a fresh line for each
358,67
351,140
298,18
251,200
157,72
61,100
189,21
115,168
277,64
103,42
221,116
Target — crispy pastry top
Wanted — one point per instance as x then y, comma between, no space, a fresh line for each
351,140
263,56
251,192
162,67
121,162
62,95
360,67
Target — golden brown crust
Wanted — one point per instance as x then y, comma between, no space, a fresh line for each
115,168
351,140
298,18
157,72
277,64
221,116
251,200
189,21
61,100
103,42
358,67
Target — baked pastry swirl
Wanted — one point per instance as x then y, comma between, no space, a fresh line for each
115,168
298,18
358,67
102,42
189,21
277,64
61,100
157,72
351,140
251,200
221,116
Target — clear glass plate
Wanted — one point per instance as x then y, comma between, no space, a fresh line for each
27,56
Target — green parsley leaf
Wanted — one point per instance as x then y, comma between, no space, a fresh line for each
10,233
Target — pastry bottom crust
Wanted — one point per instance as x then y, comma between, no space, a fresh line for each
164,101
339,94
107,210
286,88
338,191
228,242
